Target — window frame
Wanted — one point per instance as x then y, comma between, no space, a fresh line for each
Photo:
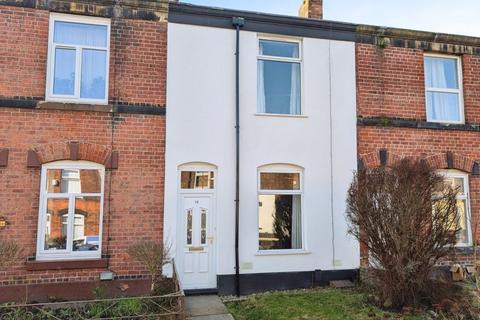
459,91
464,176
298,60
300,192
49,95
51,255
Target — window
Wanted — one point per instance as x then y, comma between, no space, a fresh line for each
443,89
459,181
278,83
197,180
78,59
279,210
71,208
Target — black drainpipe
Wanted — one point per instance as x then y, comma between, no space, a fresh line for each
237,23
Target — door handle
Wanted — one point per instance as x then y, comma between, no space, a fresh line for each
210,239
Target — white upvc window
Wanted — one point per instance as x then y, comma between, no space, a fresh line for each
280,209
459,181
279,65
443,88
78,59
70,211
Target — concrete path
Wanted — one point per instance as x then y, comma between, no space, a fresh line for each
206,308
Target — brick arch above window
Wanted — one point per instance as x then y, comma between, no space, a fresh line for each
441,160
72,150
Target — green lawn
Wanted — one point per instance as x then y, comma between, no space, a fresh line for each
325,303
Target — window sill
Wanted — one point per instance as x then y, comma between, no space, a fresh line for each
281,115
75,106
282,252
35,265
446,123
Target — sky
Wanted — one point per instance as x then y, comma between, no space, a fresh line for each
446,16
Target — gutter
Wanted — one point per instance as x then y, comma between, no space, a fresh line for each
238,23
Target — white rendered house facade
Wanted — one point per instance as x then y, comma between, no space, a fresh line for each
297,151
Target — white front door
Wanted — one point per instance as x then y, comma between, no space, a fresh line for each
196,239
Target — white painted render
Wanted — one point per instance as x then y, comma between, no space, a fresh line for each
200,128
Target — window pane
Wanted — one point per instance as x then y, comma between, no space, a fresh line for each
64,72
197,180
189,226
86,227
203,226
443,106
279,49
73,181
80,34
279,181
278,87
462,235
94,64
280,225
441,73
56,224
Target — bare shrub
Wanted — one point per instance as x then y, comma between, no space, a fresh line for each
9,252
153,255
407,219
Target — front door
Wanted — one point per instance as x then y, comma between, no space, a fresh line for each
197,242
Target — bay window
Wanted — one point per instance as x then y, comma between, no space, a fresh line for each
71,209
280,210
78,59
278,77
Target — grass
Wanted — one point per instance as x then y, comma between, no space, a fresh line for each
321,304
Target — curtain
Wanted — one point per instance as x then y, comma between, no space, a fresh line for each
295,84
261,87
296,222
295,89
64,72
80,34
93,83
441,74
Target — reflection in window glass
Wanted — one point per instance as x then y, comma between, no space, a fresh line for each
279,48
73,181
280,225
56,224
197,180
86,232
64,72
279,181
94,75
189,226
203,230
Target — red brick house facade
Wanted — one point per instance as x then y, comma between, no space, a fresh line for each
392,109
125,136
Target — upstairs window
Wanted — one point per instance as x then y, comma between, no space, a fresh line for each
279,210
78,59
278,83
443,89
71,208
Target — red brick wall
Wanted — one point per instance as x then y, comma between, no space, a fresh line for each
390,84
137,76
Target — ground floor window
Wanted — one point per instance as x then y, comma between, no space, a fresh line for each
71,208
280,209
459,181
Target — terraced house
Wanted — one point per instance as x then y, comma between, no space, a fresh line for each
235,142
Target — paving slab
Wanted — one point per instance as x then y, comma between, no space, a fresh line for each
206,308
